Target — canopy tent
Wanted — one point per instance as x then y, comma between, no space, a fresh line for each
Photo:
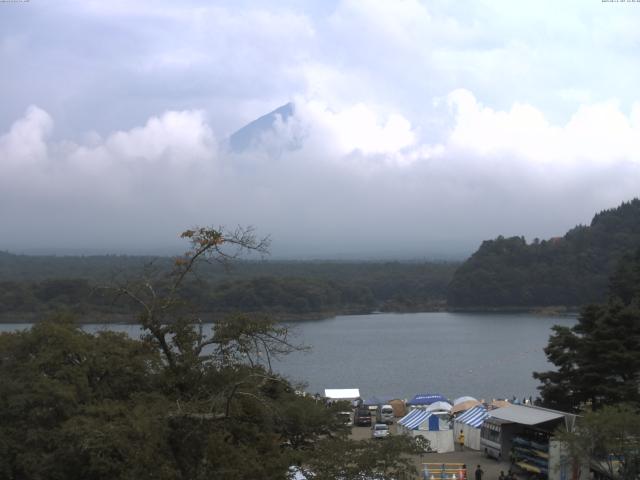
423,399
439,406
399,408
342,393
377,400
466,405
422,423
473,417
463,399
499,403
469,423
417,417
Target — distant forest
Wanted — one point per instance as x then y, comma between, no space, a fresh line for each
34,285
569,271
566,271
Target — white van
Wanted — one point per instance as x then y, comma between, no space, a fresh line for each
385,414
346,418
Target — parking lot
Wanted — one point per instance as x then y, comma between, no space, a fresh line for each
469,457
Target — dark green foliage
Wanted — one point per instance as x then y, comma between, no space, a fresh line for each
625,282
598,360
80,406
74,405
570,271
37,285
608,438
293,295
348,460
182,403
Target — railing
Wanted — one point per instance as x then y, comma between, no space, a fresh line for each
444,471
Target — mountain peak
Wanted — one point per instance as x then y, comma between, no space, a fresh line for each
250,134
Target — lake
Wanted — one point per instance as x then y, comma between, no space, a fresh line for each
486,355
483,355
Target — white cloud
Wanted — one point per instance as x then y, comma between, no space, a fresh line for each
236,60
361,183
105,184
25,143
356,128
399,23
178,136
599,133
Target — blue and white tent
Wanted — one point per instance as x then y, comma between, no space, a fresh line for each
469,423
430,425
419,417
424,399
474,417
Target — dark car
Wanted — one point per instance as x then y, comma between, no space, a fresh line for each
362,417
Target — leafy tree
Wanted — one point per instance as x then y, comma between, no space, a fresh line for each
181,403
564,271
348,460
598,360
75,405
608,438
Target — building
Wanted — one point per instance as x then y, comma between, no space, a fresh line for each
523,435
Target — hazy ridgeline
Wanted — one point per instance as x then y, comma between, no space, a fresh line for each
569,271
572,270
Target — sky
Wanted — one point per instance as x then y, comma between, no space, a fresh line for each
420,128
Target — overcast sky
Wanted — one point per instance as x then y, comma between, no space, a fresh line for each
422,127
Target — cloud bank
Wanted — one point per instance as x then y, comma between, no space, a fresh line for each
360,182
421,127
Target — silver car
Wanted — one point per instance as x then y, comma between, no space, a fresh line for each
380,430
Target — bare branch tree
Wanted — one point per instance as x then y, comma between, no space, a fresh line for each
176,327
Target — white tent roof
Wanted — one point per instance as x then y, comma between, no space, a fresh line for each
464,399
342,393
439,406
526,415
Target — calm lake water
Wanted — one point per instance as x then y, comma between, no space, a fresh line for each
483,355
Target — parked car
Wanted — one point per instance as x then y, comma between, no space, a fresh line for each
380,430
362,417
345,417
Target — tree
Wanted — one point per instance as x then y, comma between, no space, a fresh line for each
76,405
349,460
564,271
608,438
181,403
598,360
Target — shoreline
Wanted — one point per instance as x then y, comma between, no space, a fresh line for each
289,317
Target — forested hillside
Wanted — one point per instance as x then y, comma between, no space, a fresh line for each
570,270
32,285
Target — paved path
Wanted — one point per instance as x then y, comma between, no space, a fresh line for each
471,458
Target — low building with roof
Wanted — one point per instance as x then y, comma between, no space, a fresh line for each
523,435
